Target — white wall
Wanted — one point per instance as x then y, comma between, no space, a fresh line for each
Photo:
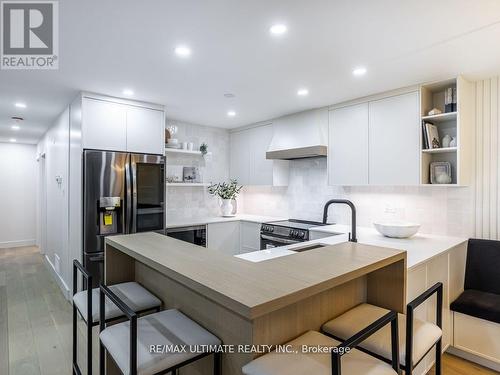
184,203
55,145
18,195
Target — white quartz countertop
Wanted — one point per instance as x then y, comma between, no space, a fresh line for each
186,222
420,248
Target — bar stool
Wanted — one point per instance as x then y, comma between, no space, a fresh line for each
354,362
419,339
139,298
150,338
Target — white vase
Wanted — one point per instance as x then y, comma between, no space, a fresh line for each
226,207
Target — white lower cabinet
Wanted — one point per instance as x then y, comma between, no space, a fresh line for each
224,237
234,237
250,237
444,268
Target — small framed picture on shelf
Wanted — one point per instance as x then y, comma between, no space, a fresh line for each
174,173
191,175
440,172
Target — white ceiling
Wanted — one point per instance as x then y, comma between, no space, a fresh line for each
107,45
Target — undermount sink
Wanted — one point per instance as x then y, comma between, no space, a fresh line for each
308,247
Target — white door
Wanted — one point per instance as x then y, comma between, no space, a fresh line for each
240,159
104,125
262,169
145,130
348,145
394,139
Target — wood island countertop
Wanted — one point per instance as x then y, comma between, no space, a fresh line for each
254,289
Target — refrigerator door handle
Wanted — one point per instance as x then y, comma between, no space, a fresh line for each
128,193
133,174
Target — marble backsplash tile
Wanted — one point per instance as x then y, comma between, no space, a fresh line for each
440,210
191,202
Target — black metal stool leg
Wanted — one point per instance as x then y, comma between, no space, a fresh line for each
438,357
89,348
217,364
75,350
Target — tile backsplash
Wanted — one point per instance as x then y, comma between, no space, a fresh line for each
440,210
191,202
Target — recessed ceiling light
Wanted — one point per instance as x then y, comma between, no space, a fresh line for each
360,71
128,92
231,113
303,92
182,51
278,29
15,127
13,140
229,95
20,105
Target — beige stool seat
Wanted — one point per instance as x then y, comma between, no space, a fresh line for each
132,293
353,363
425,334
169,328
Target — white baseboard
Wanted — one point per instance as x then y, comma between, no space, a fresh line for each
474,358
64,287
20,243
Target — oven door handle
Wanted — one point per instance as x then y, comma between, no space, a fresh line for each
278,239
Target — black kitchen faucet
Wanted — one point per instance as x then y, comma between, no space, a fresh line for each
352,236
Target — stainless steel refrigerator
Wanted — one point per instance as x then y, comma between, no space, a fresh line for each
122,193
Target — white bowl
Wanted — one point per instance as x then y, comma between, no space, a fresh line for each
396,229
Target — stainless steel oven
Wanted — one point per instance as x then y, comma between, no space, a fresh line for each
268,242
285,232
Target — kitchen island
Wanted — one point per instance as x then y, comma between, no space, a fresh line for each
258,303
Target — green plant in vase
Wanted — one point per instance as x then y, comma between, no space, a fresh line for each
226,192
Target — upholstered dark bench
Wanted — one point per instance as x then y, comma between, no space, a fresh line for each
481,297
476,312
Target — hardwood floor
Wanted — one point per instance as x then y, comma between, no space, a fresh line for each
453,365
35,322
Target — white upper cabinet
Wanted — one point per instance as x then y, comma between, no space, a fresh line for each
376,142
394,140
248,163
118,126
348,145
145,130
261,169
104,125
239,164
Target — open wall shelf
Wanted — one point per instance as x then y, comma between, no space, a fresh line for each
458,124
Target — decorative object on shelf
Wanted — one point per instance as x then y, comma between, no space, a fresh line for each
204,148
432,135
434,111
227,192
174,173
170,141
191,175
396,229
445,142
453,142
448,100
440,172
454,100
184,145
190,146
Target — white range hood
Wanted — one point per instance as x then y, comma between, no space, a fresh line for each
301,135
